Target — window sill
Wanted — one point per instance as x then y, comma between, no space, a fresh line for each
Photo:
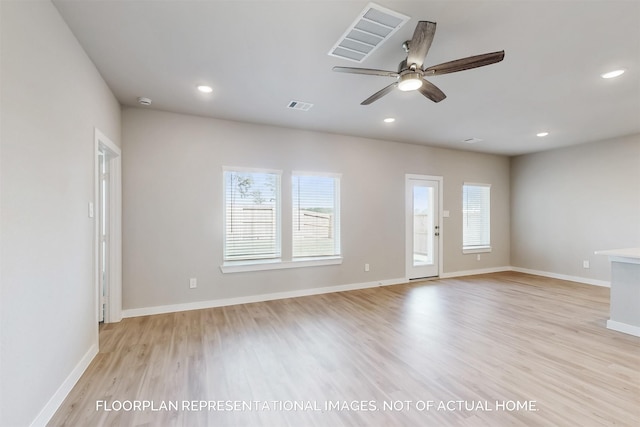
277,264
476,250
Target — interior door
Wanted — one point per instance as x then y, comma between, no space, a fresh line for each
422,226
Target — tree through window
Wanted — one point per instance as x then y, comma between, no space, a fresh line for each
252,215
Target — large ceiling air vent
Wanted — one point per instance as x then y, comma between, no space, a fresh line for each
372,27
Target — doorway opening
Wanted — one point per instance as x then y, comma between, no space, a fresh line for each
108,237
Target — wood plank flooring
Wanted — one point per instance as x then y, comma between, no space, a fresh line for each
504,349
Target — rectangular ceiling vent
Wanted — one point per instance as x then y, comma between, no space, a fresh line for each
297,105
372,27
471,140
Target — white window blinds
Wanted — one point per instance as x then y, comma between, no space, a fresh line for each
476,208
316,215
252,217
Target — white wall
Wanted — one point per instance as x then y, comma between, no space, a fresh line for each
570,202
172,205
51,98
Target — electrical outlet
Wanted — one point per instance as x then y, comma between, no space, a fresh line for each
585,264
366,267
478,257
193,283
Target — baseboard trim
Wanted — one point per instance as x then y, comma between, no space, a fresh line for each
563,277
623,327
63,391
474,272
199,305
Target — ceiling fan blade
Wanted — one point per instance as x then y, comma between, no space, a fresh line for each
431,91
368,71
420,43
379,94
465,63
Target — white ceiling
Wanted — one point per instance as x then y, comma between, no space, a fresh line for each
260,55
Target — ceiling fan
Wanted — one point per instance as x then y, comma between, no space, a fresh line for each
410,74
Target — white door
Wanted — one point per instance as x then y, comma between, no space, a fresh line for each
422,226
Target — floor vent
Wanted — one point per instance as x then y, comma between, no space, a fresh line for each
297,105
372,27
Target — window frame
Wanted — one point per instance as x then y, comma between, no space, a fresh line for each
285,259
337,249
485,246
278,220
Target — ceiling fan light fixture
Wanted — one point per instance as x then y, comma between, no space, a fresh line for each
410,81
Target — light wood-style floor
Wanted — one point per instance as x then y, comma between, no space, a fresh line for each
476,347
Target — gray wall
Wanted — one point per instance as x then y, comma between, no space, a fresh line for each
172,202
52,97
568,203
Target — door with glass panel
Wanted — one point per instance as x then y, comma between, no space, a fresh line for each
422,226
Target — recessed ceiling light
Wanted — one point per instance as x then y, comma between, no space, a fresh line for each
612,74
389,120
541,134
205,89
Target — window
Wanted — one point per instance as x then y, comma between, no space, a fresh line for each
252,215
476,207
253,220
316,215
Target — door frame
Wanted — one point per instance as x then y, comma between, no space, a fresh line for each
113,312
409,227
